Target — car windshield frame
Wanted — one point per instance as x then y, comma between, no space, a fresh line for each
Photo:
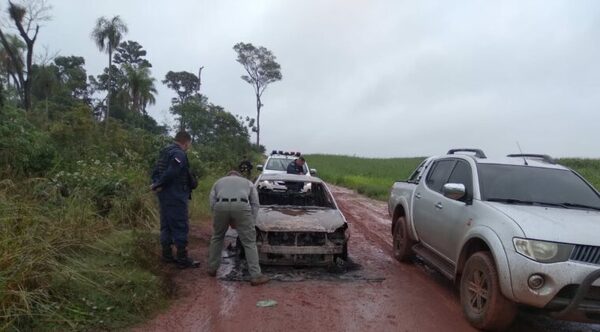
285,193
539,186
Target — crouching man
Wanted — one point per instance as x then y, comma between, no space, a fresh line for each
234,201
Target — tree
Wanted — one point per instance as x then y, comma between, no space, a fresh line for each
184,83
8,66
72,74
140,86
262,70
132,53
26,19
107,35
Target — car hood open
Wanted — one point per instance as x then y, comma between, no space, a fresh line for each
287,219
555,224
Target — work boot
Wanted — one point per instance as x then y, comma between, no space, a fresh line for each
183,261
167,255
212,273
262,279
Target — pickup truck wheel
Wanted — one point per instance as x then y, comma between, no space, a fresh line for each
482,300
402,242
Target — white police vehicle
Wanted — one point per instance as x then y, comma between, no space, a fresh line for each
278,162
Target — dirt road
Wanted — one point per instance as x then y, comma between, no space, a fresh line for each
384,295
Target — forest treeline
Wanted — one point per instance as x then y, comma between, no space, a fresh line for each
77,220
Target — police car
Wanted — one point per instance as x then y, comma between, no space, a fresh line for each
278,162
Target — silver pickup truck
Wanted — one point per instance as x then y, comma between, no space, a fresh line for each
515,231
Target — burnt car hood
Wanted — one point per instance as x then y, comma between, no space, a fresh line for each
286,219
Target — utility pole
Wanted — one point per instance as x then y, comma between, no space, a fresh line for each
200,78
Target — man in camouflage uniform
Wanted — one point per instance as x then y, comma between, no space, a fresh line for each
234,201
173,182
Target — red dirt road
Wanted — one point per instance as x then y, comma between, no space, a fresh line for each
410,297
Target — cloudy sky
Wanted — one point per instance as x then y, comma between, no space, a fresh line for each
376,78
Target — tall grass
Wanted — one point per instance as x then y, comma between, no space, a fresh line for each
374,177
65,266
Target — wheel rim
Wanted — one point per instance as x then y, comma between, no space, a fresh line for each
478,290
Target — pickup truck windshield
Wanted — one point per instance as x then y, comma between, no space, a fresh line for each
281,164
535,185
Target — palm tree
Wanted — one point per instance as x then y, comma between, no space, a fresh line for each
7,66
140,85
107,35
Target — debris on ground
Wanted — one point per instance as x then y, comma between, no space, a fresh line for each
266,303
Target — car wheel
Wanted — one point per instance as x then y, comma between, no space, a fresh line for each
482,300
402,242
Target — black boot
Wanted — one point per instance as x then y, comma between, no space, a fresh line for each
183,261
167,254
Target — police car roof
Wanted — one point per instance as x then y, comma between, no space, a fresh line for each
288,177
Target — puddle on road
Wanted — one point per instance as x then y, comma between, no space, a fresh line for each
236,269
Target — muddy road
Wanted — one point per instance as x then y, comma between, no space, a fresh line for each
377,294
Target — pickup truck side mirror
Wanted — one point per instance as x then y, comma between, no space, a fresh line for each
259,168
454,191
313,171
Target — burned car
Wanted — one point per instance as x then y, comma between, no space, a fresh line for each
298,222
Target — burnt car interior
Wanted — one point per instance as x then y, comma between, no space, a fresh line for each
289,194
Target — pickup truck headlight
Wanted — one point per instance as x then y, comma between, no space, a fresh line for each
543,251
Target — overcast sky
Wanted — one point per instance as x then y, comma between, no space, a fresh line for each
376,78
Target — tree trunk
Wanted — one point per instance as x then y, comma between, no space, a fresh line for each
109,86
258,105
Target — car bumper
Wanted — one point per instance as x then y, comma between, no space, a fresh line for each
298,255
571,289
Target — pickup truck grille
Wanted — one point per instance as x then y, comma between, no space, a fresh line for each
586,254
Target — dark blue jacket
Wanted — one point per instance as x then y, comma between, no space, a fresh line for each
295,169
172,174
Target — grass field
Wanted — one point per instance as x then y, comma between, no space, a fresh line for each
374,177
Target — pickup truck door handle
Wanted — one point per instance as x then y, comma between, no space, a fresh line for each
418,196
439,205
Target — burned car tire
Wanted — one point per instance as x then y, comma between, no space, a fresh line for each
481,298
402,242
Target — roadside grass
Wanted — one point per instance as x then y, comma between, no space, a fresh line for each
374,177
108,284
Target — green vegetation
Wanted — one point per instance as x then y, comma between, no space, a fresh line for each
374,177
369,176
78,222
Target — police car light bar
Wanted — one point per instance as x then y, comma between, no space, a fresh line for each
286,153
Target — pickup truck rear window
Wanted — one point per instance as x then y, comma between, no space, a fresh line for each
526,184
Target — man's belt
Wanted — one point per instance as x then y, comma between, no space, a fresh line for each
232,200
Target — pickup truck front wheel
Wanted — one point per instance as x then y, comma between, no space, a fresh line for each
402,242
481,298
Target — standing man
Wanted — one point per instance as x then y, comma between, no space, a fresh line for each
296,166
173,181
234,201
245,167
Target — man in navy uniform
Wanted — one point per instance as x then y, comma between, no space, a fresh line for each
173,182
296,166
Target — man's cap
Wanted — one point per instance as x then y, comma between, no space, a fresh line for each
301,158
